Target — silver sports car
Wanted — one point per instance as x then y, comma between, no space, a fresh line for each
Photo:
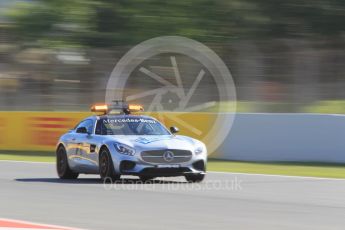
119,142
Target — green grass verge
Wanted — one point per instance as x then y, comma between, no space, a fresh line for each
335,106
27,158
289,169
327,107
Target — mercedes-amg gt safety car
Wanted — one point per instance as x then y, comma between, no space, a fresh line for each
122,142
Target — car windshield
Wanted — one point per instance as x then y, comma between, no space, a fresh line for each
130,126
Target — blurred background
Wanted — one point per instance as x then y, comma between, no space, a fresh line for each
285,56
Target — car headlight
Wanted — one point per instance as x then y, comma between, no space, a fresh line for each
199,150
124,149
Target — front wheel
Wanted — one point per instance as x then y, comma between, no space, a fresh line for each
195,177
62,167
106,167
146,178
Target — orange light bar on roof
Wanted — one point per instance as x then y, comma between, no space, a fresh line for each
133,107
99,108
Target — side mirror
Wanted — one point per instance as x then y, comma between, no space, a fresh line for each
174,130
81,130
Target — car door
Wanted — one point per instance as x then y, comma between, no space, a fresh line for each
72,147
75,150
86,151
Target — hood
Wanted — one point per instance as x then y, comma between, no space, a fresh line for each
156,141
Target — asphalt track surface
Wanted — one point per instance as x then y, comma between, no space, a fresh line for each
32,192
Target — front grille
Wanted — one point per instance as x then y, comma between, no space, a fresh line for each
168,156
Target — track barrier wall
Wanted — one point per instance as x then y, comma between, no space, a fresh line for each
40,131
286,137
253,137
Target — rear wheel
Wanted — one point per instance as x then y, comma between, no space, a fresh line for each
106,167
62,167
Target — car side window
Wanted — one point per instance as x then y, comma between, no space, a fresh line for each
88,124
98,128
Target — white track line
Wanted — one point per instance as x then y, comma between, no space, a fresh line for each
277,175
27,162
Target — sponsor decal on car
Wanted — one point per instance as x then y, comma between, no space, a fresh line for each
126,120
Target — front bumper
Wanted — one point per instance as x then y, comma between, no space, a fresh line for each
141,165
135,166
139,169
